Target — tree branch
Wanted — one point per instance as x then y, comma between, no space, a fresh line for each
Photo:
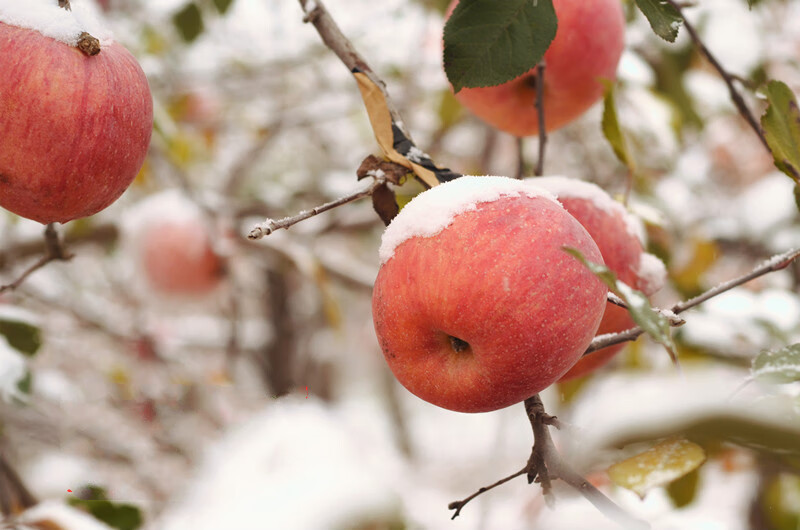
775,263
729,79
546,464
269,226
317,14
55,251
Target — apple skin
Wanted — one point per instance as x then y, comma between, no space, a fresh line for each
178,259
75,128
498,279
587,48
622,252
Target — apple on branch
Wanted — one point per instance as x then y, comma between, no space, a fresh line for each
619,237
174,247
476,305
75,112
586,49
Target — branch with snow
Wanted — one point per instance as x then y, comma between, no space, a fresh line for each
775,263
271,225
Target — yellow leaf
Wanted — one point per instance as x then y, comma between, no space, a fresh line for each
658,466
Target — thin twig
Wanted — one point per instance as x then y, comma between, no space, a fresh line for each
458,505
54,251
546,464
269,226
776,263
540,113
729,79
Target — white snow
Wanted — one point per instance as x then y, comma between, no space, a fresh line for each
433,210
298,465
651,269
651,272
55,22
571,188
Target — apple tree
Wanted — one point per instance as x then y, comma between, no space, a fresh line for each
239,341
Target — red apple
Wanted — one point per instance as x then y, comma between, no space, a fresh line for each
616,233
476,305
587,48
75,128
178,258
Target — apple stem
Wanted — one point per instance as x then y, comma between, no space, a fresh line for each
55,251
88,44
540,114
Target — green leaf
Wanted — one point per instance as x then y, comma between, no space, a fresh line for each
223,5
684,490
487,43
651,321
116,515
781,124
189,22
658,466
739,426
663,17
611,128
25,384
779,366
22,336
780,502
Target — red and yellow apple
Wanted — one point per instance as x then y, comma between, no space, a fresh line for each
75,128
476,305
616,233
586,49
179,259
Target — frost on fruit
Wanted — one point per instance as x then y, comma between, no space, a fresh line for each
580,189
650,270
433,210
55,22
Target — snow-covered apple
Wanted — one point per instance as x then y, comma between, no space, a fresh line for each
75,127
586,49
476,305
618,236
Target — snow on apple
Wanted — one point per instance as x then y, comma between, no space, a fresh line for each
476,305
619,237
76,127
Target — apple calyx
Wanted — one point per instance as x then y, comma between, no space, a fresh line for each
458,345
